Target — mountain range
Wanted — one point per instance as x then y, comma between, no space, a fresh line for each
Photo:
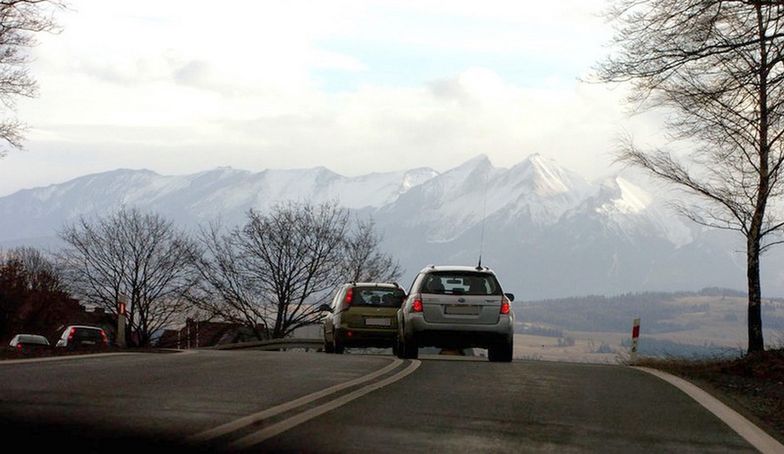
547,231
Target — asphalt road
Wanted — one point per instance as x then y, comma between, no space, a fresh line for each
242,400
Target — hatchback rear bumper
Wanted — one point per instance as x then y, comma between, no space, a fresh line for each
366,337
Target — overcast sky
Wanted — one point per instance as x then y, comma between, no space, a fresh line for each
356,86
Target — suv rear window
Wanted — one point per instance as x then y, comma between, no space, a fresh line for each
460,283
378,296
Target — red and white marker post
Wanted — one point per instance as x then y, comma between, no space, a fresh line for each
122,305
635,339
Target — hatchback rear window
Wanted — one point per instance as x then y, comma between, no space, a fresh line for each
86,334
461,283
378,296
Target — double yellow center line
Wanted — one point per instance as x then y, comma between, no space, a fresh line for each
270,431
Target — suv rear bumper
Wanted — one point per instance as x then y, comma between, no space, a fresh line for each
447,335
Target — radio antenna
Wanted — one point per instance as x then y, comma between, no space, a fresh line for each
484,217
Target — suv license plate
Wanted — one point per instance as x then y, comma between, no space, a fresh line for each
461,310
378,322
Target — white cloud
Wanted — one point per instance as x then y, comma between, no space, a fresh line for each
189,86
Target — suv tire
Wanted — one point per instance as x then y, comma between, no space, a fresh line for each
501,352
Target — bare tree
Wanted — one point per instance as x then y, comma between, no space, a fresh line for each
136,255
41,271
31,290
20,20
364,260
294,256
226,289
272,273
717,65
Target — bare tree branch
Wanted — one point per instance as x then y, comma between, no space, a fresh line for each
718,67
141,256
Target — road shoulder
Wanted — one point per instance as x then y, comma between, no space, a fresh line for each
752,433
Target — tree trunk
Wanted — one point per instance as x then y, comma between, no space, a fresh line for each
754,234
756,343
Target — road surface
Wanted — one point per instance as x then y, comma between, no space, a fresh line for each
315,402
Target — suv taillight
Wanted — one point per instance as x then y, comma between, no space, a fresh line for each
71,334
505,307
349,297
104,338
417,305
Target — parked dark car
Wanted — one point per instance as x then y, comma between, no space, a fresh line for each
27,344
83,337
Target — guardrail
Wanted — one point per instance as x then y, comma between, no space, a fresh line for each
273,344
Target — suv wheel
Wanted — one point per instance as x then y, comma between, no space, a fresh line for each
501,352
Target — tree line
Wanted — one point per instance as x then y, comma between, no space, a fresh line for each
269,274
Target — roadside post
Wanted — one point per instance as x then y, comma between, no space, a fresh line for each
635,339
121,309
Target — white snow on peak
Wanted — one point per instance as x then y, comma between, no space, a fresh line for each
415,177
547,175
536,192
630,197
628,207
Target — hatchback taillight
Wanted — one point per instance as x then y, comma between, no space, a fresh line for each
104,338
349,297
417,305
71,334
19,347
505,306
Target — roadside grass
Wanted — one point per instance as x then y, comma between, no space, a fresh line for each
752,385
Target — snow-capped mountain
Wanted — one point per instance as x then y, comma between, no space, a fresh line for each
546,230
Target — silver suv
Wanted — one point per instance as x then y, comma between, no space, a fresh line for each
456,307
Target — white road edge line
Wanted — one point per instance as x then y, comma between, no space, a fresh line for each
745,428
61,358
278,409
275,429
86,356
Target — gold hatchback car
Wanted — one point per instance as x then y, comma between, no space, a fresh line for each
362,314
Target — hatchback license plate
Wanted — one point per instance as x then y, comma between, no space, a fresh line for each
462,310
378,322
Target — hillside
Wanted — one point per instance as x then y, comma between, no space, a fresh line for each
707,323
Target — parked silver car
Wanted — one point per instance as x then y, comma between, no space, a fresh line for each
456,307
29,343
